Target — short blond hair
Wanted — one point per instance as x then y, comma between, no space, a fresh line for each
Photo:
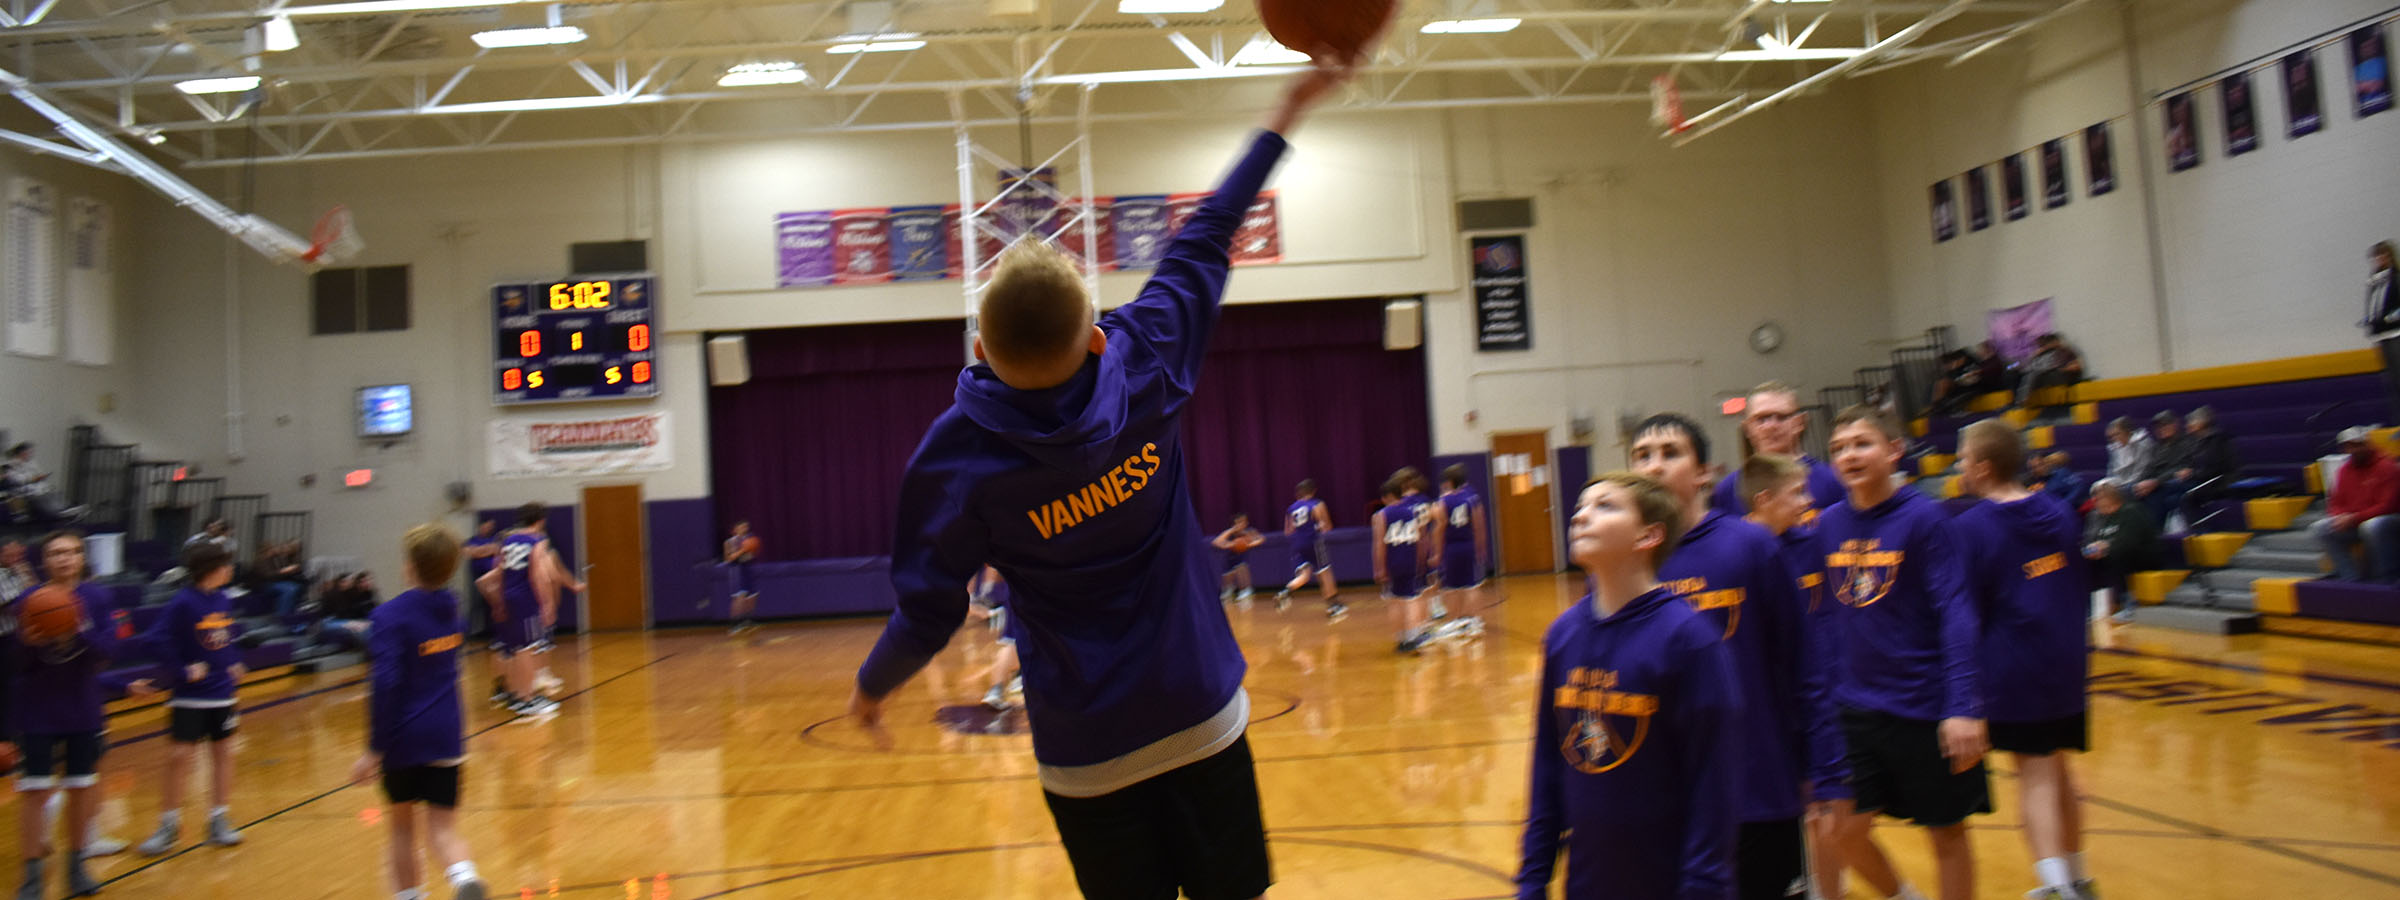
432,551
1872,415
1768,472
1995,442
1657,506
1035,310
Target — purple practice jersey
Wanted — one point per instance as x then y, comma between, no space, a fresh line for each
1077,495
1405,527
1732,572
414,716
1906,626
2025,565
517,559
57,686
1303,519
1637,748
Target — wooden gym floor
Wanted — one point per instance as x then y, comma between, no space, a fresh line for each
689,765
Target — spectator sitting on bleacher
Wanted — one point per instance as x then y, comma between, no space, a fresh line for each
277,573
2209,468
2129,451
218,532
2048,473
29,490
2168,451
16,574
2120,539
2053,364
2366,492
1964,374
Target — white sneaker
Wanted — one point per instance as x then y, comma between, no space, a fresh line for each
547,683
996,698
102,846
1440,611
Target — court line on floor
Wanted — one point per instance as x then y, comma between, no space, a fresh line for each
171,857
2346,680
2267,844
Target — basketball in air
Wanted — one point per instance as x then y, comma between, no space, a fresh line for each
1342,27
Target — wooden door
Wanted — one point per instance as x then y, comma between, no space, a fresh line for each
1521,492
616,556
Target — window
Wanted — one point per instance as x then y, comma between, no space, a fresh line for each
349,301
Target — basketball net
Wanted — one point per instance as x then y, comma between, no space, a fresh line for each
1666,104
334,240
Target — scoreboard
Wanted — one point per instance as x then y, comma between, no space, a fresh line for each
584,339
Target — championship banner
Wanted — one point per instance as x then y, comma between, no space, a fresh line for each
1259,239
31,250
920,250
862,245
91,284
2014,329
1503,308
580,447
1141,230
804,249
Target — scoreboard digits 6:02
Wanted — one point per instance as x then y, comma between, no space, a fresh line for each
580,339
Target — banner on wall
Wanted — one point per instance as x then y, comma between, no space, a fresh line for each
2301,99
91,283
1979,199
2055,192
2183,133
2013,199
580,447
804,249
1945,211
31,248
2014,329
922,243
2370,70
2099,160
1503,304
2241,116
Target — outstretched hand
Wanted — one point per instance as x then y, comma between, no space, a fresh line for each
1327,72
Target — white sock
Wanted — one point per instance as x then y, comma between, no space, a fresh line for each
172,818
2075,866
410,894
220,812
1908,892
2053,871
461,873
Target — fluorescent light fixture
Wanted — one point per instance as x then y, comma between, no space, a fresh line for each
1166,7
1470,26
536,104
1263,51
760,73
375,7
882,43
529,37
232,84
280,36
1784,54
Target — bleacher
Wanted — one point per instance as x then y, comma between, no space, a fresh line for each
157,506
2249,563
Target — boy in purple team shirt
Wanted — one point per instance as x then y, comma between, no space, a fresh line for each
1637,732
1061,465
1403,549
58,718
1780,502
2025,564
415,720
1734,574
193,644
1459,540
1908,679
1304,528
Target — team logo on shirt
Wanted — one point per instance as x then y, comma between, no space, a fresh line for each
1695,592
1861,573
216,631
1602,727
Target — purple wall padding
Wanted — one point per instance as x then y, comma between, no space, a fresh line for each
2348,602
683,548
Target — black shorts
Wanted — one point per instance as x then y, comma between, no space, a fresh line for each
1197,829
431,785
191,725
1897,768
1769,862
2043,738
43,756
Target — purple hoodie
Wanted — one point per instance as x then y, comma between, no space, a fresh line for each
2025,564
1906,623
1076,494
58,690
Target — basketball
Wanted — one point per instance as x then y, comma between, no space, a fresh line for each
1245,545
1344,27
48,614
751,544
10,757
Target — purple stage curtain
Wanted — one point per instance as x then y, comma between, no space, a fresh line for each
810,451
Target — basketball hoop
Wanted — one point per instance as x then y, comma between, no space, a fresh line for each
1666,104
334,240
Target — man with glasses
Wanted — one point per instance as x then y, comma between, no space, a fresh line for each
1772,422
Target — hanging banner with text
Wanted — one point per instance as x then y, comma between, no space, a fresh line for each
852,247
526,449
1503,308
31,248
